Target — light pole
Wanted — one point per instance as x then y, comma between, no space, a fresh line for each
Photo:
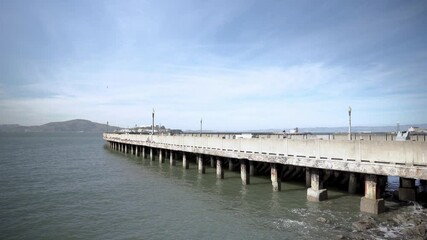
201,126
349,123
152,127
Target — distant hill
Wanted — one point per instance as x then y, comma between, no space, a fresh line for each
77,125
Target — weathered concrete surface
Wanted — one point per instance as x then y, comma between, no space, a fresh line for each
316,193
371,202
219,169
151,154
405,159
407,190
230,164
307,177
352,183
185,163
161,156
212,161
373,206
172,160
244,171
276,176
201,165
252,169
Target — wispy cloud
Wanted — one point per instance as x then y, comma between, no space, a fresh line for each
239,65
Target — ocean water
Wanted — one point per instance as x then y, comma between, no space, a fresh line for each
71,186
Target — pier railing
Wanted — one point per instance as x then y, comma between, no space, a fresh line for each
403,154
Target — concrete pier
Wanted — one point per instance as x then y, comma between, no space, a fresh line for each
172,160
371,202
407,190
316,193
201,165
276,177
342,161
244,171
185,163
352,183
219,169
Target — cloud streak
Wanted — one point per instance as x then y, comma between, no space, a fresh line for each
240,65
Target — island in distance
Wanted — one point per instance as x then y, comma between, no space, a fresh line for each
76,125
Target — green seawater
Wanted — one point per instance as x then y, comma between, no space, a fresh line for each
71,186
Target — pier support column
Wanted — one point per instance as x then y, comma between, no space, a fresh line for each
132,149
143,152
185,163
352,183
219,169
151,154
276,177
161,160
212,161
307,177
371,202
252,170
244,171
407,190
423,185
126,148
316,193
200,164
230,164
137,151
172,160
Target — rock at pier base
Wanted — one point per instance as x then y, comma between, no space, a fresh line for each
317,195
374,206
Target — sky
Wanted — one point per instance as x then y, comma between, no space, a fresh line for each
238,65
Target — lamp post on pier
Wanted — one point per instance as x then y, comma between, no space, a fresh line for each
152,127
201,126
349,123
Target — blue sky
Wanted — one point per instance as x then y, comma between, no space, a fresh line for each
239,65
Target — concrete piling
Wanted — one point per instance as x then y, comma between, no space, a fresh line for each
276,176
172,160
316,193
230,164
185,163
212,161
352,183
407,190
371,202
151,154
307,177
161,160
219,169
201,165
244,171
252,169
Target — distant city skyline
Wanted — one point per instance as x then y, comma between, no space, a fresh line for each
239,65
